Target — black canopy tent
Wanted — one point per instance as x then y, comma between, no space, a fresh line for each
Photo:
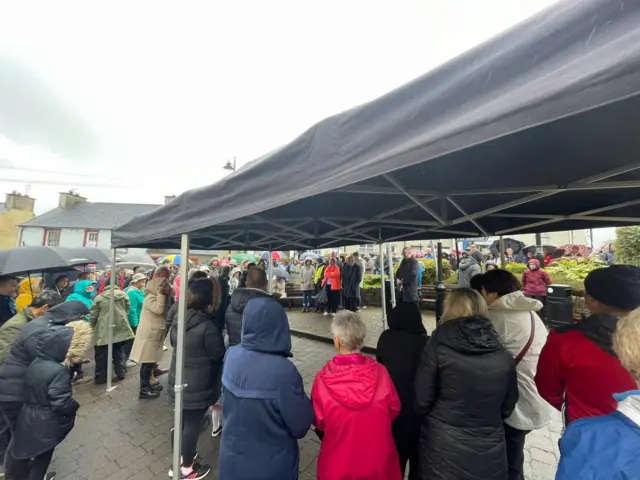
535,130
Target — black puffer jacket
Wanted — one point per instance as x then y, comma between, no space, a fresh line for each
28,345
233,317
203,354
49,411
399,350
466,385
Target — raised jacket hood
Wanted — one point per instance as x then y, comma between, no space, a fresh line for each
66,312
265,327
471,335
352,380
81,288
152,285
24,287
467,262
516,301
118,292
406,316
82,334
56,344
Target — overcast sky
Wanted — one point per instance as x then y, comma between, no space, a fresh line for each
151,98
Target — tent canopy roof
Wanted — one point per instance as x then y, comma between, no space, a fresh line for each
536,130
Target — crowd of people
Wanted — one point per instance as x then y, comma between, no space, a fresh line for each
458,404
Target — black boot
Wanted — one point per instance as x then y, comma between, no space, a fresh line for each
156,387
147,393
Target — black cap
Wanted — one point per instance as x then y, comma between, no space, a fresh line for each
617,286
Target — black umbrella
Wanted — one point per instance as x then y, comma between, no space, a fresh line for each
24,260
512,243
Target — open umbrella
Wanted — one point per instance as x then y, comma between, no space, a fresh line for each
241,257
171,259
274,255
24,260
280,272
575,249
515,245
311,255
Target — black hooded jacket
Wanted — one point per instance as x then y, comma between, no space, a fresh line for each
233,316
399,350
48,414
466,385
204,351
28,344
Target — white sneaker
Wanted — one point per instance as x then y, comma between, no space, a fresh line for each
164,348
325,313
131,364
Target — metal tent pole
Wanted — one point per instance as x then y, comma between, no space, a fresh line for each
270,272
501,247
382,292
440,288
112,311
179,353
457,254
392,290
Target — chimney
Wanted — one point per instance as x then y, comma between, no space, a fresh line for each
17,201
168,198
69,199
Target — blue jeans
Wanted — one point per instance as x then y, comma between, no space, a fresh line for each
306,298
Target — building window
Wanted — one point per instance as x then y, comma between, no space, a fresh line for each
52,238
91,238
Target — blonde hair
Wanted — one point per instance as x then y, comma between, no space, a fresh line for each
626,342
464,302
349,329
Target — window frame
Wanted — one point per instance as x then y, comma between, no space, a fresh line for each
45,236
87,232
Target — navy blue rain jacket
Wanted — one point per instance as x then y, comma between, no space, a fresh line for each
265,407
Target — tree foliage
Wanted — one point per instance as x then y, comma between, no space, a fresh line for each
628,245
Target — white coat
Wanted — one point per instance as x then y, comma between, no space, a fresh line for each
511,317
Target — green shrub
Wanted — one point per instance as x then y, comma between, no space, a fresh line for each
628,245
573,271
452,280
516,268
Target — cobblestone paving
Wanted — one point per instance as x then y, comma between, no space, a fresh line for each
119,437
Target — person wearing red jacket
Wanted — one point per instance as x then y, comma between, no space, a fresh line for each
331,282
534,284
354,403
578,371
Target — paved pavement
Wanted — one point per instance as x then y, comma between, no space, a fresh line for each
119,437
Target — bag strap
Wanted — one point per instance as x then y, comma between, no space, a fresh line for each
527,346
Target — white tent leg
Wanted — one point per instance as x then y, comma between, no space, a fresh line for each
180,386
112,311
391,279
270,272
501,247
382,292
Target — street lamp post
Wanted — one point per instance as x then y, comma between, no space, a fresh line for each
231,166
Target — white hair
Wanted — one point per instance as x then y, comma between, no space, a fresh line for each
349,329
626,342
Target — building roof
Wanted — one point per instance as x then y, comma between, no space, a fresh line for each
104,216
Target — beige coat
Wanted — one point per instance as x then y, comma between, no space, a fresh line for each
147,347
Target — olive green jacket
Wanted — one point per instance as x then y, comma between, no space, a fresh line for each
99,317
10,331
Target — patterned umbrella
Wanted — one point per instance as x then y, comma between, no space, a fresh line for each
171,260
574,249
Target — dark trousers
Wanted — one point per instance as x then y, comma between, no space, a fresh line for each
146,371
8,415
351,303
334,300
129,344
28,469
191,426
514,440
102,359
412,463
